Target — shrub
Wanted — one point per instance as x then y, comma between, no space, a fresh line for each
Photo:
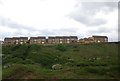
57,66
46,59
60,47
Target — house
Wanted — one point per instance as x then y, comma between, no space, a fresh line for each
94,39
15,40
1,42
86,40
81,41
37,40
51,40
100,38
62,39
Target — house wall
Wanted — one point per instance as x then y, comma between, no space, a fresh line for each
38,41
101,39
13,41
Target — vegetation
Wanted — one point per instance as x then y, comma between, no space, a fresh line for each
61,61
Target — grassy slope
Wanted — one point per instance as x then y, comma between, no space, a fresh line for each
78,61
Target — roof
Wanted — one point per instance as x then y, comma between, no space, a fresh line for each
23,37
100,36
74,37
51,37
54,37
8,38
37,37
62,37
88,39
16,38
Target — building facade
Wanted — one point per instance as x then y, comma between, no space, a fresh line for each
54,40
15,40
98,39
62,39
37,40
94,39
86,40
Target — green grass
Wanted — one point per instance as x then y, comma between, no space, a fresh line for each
79,61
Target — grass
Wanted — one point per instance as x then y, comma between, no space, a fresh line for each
79,61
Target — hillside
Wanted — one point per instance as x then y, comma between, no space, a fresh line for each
75,61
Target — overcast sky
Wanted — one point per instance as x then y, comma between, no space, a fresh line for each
57,18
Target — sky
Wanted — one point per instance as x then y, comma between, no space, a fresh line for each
58,18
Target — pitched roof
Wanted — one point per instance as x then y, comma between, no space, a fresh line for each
37,37
100,36
51,37
88,39
73,37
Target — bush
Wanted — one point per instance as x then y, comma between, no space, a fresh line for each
46,59
60,47
57,66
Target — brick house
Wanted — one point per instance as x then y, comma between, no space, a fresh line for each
51,40
100,38
94,39
62,39
86,40
37,40
15,40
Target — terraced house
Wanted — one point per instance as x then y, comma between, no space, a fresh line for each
15,40
54,40
100,38
94,39
62,39
37,40
86,40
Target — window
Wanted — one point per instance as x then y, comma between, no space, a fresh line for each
21,40
16,41
9,43
43,40
34,41
98,40
53,41
105,39
60,41
9,40
68,41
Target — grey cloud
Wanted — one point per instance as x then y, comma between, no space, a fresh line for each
86,11
88,19
59,31
11,24
32,31
101,30
96,6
